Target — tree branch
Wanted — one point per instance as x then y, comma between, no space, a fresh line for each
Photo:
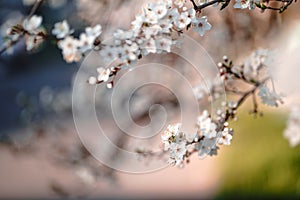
11,43
200,7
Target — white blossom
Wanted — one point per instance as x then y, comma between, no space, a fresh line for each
225,137
94,32
32,24
177,152
86,42
129,52
69,46
149,46
165,25
136,25
182,20
209,129
33,27
201,25
169,135
173,14
192,14
61,29
160,10
179,3
206,126
92,80
109,53
103,74
164,44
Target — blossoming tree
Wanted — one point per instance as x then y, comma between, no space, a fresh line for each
156,30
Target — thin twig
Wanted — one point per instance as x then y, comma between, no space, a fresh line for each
35,7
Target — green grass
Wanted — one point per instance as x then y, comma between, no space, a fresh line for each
260,163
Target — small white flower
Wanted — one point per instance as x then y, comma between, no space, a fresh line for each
94,32
165,25
225,137
206,126
173,14
129,52
163,44
208,129
169,135
92,80
182,20
86,42
69,46
160,10
201,25
179,3
149,47
177,152
203,118
109,53
61,29
138,22
150,16
32,24
103,74
192,14
172,130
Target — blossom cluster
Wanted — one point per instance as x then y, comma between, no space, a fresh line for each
213,132
205,141
253,71
72,48
31,28
152,31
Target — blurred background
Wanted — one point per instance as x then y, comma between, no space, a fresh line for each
41,155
